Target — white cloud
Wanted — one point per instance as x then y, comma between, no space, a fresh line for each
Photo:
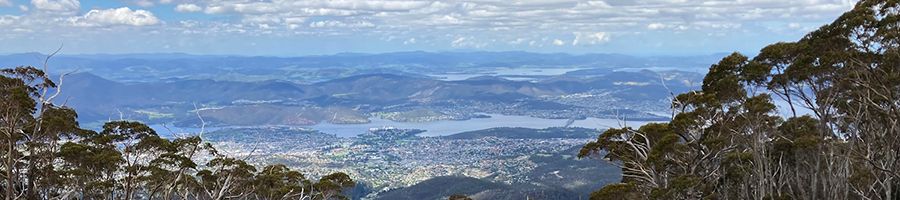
467,42
6,20
517,41
717,25
510,21
188,8
57,5
340,24
590,38
439,24
410,41
458,42
214,9
558,42
285,6
676,26
144,3
656,26
148,3
117,16
189,23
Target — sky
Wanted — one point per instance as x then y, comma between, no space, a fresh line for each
318,27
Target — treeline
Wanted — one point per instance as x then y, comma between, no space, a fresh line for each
728,141
45,154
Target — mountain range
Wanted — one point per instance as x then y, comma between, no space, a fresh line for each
97,98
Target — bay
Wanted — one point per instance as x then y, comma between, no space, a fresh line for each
435,128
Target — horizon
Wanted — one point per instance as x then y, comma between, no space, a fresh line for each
289,29
63,53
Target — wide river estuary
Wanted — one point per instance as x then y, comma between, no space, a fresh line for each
441,128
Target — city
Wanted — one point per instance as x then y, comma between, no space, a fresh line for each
390,158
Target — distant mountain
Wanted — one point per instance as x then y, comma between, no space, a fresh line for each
304,90
164,66
99,98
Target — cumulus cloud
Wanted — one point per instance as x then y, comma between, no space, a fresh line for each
467,42
340,24
117,16
590,38
214,9
558,42
512,20
5,3
57,5
188,8
673,26
517,41
525,24
6,20
656,26
287,6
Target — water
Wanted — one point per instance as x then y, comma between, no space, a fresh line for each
436,128
441,128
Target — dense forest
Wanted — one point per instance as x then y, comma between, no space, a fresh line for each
727,140
47,155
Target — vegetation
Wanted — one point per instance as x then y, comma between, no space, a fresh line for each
459,197
443,187
46,155
726,141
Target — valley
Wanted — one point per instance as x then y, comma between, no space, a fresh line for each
394,121
388,159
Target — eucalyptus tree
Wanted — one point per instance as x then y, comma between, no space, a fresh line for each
47,155
727,141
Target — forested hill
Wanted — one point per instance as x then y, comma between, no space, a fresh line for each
631,93
557,176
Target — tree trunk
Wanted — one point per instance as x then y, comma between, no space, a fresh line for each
10,163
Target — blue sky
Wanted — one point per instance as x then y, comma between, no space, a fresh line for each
312,27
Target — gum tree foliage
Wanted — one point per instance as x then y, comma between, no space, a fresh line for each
458,197
727,140
46,155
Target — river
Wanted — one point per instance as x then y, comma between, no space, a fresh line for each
436,128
